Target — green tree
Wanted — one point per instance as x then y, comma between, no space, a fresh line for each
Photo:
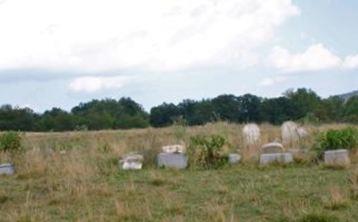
56,120
197,113
111,114
330,109
305,102
227,107
350,110
249,108
164,115
17,118
277,110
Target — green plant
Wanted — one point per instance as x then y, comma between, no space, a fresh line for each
346,138
318,218
10,141
206,151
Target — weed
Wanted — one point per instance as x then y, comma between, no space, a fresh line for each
10,141
207,151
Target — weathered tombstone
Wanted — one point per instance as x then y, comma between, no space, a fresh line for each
131,162
282,158
234,158
251,134
177,148
302,132
336,157
7,169
172,160
289,132
272,148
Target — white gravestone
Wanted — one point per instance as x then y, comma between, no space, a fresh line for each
336,157
251,134
7,169
282,158
177,148
172,160
289,133
234,158
131,162
273,147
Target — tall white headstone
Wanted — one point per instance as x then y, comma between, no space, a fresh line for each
251,134
289,132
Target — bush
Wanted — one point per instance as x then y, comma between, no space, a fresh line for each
10,141
337,139
206,151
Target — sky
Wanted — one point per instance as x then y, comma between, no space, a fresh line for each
58,53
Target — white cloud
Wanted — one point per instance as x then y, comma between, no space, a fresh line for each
272,80
89,84
102,35
315,57
351,62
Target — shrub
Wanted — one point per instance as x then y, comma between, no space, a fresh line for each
337,139
10,141
206,151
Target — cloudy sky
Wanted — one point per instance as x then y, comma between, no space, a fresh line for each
57,53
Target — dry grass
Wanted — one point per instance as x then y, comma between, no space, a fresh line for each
74,176
353,179
337,199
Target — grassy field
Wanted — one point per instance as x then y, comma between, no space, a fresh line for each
74,176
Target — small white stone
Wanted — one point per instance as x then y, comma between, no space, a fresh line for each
132,166
336,157
7,169
131,162
269,158
234,158
176,148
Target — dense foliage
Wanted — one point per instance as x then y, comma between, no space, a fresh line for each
207,151
299,105
346,138
10,141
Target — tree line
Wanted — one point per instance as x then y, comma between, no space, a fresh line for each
299,105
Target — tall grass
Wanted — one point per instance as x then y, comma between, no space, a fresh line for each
74,176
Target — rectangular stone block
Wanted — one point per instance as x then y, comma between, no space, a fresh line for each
269,158
177,148
337,157
131,162
7,169
234,158
172,160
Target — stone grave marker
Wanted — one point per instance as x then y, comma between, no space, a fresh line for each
273,147
336,157
131,162
7,169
